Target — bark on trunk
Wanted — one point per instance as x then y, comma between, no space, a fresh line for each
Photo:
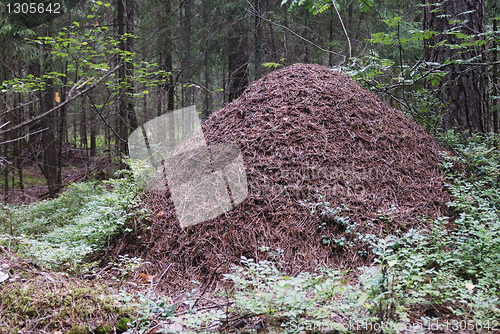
187,91
132,116
48,140
49,135
122,101
258,41
168,61
93,135
464,88
238,61
496,82
61,128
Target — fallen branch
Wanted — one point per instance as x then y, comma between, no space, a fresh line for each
21,105
34,119
23,137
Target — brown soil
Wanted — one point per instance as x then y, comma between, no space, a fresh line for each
303,130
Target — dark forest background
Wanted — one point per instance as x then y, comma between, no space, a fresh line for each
76,84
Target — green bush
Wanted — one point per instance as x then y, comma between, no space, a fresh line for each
457,263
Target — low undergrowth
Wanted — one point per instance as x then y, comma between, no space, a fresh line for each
65,232
50,302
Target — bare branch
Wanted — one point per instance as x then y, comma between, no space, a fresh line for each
18,107
20,138
345,31
254,12
34,119
102,118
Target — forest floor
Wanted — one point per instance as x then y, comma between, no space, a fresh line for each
77,167
45,301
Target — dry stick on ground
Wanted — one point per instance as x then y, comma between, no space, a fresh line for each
161,276
208,284
103,270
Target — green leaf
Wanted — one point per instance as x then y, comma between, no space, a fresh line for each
391,263
363,298
393,22
269,65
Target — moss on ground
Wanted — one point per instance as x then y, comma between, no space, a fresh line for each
38,301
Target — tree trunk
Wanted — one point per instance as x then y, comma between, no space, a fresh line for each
6,170
330,38
464,88
208,100
132,116
273,44
496,82
107,137
83,127
93,135
170,85
33,69
62,128
122,100
75,129
19,166
258,41
187,99
224,88
238,61
4,164
207,103
18,145
168,57
49,122
48,138
289,42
